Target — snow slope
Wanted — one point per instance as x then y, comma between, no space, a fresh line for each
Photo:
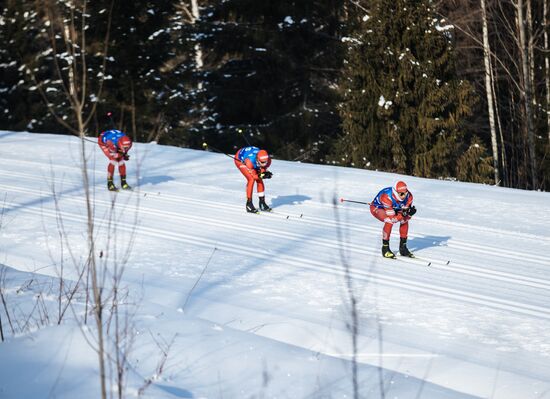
258,305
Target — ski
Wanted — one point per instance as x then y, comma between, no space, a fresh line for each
285,216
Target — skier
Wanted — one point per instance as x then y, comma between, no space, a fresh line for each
115,145
394,205
253,164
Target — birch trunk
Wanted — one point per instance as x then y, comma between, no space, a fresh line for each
198,51
531,52
527,92
489,91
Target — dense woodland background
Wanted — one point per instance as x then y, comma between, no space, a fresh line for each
452,89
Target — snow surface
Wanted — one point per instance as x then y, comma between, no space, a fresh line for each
269,315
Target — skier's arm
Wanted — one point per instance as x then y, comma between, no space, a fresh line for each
409,201
108,149
391,216
248,163
409,209
265,174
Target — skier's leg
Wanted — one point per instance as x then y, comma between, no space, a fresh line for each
249,185
261,194
404,228
122,168
249,188
110,171
380,214
403,233
260,188
249,179
122,171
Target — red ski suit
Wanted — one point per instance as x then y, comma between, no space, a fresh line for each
251,173
384,209
116,158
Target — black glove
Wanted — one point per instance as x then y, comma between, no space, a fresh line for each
408,211
266,175
126,157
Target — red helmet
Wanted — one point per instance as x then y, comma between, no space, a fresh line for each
124,143
400,190
262,157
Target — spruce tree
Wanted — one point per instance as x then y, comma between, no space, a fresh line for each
22,45
402,102
145,89
474,164
272,69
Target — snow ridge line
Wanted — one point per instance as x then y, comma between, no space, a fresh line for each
331,223
327,206
318,266
454,268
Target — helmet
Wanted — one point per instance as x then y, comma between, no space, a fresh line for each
262,157
400,190
124,143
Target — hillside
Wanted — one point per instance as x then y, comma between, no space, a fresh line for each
258,305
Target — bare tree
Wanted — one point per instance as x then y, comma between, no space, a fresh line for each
489,90
353,324
526,90
66,24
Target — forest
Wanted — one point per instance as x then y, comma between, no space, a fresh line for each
445,89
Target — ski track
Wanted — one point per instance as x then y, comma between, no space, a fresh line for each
454,243
309,264
324,206
441,263
359,249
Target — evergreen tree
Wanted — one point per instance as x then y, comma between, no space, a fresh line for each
147,61
403,104
474,165
21,107
270,72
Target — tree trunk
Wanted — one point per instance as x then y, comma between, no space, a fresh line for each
198,51
547,63
489,91
505,172
531,52
527,93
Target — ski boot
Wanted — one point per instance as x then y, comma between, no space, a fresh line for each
250,206
123,184
403,250
386,251
110,185
263,206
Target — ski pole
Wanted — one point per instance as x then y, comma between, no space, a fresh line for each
240,131
206,146
110,115
356,202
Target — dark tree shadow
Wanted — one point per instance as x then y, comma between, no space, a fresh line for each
288,200
418,243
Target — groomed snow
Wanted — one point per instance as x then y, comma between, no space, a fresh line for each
470,318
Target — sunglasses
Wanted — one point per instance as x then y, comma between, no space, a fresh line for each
402,195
